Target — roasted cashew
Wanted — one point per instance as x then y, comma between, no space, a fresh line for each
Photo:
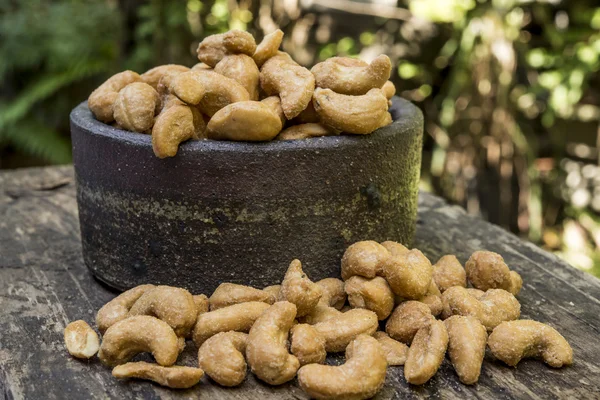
359,378
448,272
426,353
173,126
395,351
173,305
408,274
242,69
222,358
466,346
202,303
487,270
373,294
266,351
118,308
214,47
135,107
363,259
335,74
340,329
332,300
227,294
153,76
395,248
305,131
389,89
244,121
238,317
175,377
352,114
268,47
298,289
433,299
407,319
141,333
81,340
307,344
102,99
493,308
274,103
512,341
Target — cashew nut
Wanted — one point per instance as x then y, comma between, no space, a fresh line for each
176,377
305,131
448,272
514,340
373,294
363,259
493,308
173,305
227,294
222,358
336,74
214,47
298,289
395,248
359,378
118,308
389,89
426,353
153,76
274,103
395,351
244,121
238,317
268,47
242,69
307,344
433,299
102,99
487,270
81,340
332,300
407,319
173,126
352,114
339,330
408,274
466,346
141,333
135,107
266,351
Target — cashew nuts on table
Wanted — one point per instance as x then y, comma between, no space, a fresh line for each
176,377
448,272
227,294
81,340
487,270
298,289
222,357
466,346
426,353
118,308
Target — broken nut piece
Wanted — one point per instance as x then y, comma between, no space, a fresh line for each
176,377
81,340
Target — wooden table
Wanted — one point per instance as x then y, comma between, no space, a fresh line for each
44,285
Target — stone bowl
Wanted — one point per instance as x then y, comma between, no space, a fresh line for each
240,212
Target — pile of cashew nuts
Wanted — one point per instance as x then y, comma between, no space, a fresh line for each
247,92
285,331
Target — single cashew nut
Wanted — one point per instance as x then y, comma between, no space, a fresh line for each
407,319
266,351
433,299
153,76
408,274
395,351
337,75
222,358
341,329
331,301
395,248
491,309
426,353
173,126
448,272
214,47
305,131
389,89
81,340
175,377
298,289
141,333
363,259
352,114
242,69
227,294
238,317
268,47
102,100
135,107
359,378
466,346
512,341
307,344
244,121
118,308
487,270
373,294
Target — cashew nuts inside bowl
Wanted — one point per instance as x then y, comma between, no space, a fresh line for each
353,77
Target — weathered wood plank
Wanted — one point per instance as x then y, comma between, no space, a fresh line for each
44,285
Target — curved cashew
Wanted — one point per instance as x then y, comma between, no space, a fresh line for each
153,76
487,270
176,377
360,377
268,47
395,248
389,89
408,274
363,259
298,289
373,294
133,335
448,272
352,114
407,319
395,351
173,126
466,346
118,308
339,330
238,317
307,344
81,340
214,47
222,358
426,353
494,307
305,131
514,340
332,300
135,107
336,74
173,305
227,294
266,351
102,99
242,69
244,121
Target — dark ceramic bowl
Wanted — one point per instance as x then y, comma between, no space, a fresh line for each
240,212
